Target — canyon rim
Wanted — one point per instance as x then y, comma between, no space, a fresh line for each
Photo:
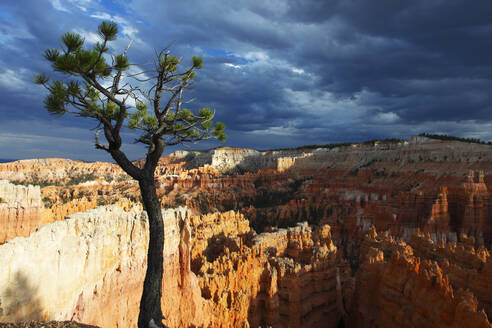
382,234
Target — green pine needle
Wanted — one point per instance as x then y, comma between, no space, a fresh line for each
108,30
72,41
197,62
51,54
41,78
121,63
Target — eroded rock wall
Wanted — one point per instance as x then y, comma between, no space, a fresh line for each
218,273
87,268
90,268
285,278
398,285
55,169
402,187
429,199
20,210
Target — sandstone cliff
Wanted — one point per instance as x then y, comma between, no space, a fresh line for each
279,279
87,268
20,209
90,268
257,265
397,287
52,170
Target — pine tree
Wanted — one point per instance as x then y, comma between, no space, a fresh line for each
86,93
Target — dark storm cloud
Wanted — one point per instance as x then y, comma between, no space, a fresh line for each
280,72
435,56
422,60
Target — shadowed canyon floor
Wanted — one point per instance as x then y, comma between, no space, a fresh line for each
387,234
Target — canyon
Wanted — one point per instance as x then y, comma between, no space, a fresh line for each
379,234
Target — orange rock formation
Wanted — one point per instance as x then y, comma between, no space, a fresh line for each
20,209
398,285
258,265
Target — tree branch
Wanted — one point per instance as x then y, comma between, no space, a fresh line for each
158,87
125,164
168,105
97,143
100,88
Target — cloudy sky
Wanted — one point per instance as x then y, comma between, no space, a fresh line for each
279,73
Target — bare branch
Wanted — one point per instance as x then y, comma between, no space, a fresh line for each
178,106
99,87
143,139
116,81
159,85
128,47
168,105
145,80
97,143
143,72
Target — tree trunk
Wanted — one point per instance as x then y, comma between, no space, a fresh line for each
150,304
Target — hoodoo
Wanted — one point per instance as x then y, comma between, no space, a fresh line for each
371,235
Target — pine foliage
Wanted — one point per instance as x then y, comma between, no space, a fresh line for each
85,92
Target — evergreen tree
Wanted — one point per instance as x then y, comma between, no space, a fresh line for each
86,93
